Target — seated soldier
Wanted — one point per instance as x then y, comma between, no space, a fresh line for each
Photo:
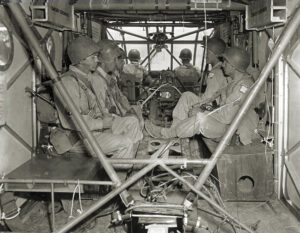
215,80
187,74
126,119
189,120
83,53
133,75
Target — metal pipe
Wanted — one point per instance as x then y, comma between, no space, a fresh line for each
168,161
80,123
148,56
173,56
195,48
55,181
107,198
129,33
202,195
148,48
52,207
185,34
294,66
152,42
284,39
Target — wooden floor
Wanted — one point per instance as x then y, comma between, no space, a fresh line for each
266,217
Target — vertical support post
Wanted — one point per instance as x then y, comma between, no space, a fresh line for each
172,48
52,207
195,48
148,47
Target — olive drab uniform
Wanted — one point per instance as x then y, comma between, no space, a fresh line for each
114,102
137,71
131,77
214,124
189,76
67,138
215,82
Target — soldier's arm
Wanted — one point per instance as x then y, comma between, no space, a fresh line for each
227,112
66,118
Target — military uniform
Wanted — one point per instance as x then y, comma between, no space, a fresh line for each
114,102
214,124
137,71
78,85
188,75
215,82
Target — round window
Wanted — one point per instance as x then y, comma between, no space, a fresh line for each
6,47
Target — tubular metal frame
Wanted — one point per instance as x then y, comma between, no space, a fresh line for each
281,44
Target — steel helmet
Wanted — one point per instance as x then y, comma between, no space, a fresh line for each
216,45
185,54
238,58
110,48
80,48
134,55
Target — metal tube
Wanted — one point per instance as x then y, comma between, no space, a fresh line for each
129,33
202,195
152,42
173,56
185,34
195,48
148,48
148,56
107,198
80,123
169,161
172,48
52,207
54,181
280,45
294,66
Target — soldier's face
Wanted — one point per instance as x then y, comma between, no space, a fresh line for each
227,68
91,62
112,61
119,62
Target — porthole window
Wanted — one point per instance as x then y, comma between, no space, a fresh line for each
6,47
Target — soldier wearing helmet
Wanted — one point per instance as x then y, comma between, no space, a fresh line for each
125,119
83,53
187,74
133,75
214,124
215,80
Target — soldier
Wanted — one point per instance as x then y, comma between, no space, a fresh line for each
137,71
126,119
215,79
133,75
187,74
83,54
214,124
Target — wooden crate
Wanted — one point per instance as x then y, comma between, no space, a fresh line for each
245,172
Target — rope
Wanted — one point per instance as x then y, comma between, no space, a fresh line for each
80,211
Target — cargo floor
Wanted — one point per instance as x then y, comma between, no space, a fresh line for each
266,217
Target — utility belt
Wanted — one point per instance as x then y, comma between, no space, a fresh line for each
63,140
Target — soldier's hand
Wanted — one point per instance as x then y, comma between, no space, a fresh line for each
194,110
107,122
